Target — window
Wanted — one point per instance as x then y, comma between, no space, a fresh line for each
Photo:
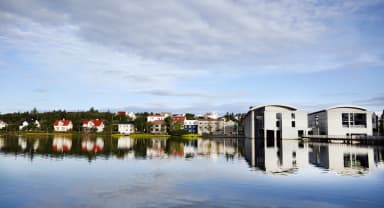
293,124
277,123
278,115
293,116
345,119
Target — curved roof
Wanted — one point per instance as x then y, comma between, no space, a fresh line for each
347,106
277,105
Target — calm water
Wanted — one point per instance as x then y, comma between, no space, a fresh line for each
104,172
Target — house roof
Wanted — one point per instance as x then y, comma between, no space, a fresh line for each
341,106
178,118
96,122
65,122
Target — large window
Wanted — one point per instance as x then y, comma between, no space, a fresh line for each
360,120
354,120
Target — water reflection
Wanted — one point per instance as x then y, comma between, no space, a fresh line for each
277,156
123,147
61,144
88,145
270,156
287,156
343,159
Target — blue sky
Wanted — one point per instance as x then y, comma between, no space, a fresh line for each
194,56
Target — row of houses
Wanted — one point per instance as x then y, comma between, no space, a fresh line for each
208,124
284,121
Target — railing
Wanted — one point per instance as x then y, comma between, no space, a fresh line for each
356,137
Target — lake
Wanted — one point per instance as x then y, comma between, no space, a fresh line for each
58,171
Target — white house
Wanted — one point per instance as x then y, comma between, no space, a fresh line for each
155,117
126,127
26,123
343,120
158,127
275,121
62,125
3,124
98,124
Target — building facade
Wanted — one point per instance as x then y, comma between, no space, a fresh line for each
275,121
210,126
97,124
191,126
126,127
345,120
63,125
158,127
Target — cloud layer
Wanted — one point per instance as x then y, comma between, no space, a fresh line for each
207,51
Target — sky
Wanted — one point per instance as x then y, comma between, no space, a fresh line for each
190,56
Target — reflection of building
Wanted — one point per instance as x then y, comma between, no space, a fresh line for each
190,149
63,125
275,121
215,147
156,149
61,144
124,143
341,121
276,156
344,159
22,143
1,143
97,124
126,127
88,145
2,124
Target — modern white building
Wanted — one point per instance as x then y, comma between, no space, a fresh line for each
63,125
126,127
3,124
275,121
343,120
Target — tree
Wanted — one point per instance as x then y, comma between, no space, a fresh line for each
190,116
